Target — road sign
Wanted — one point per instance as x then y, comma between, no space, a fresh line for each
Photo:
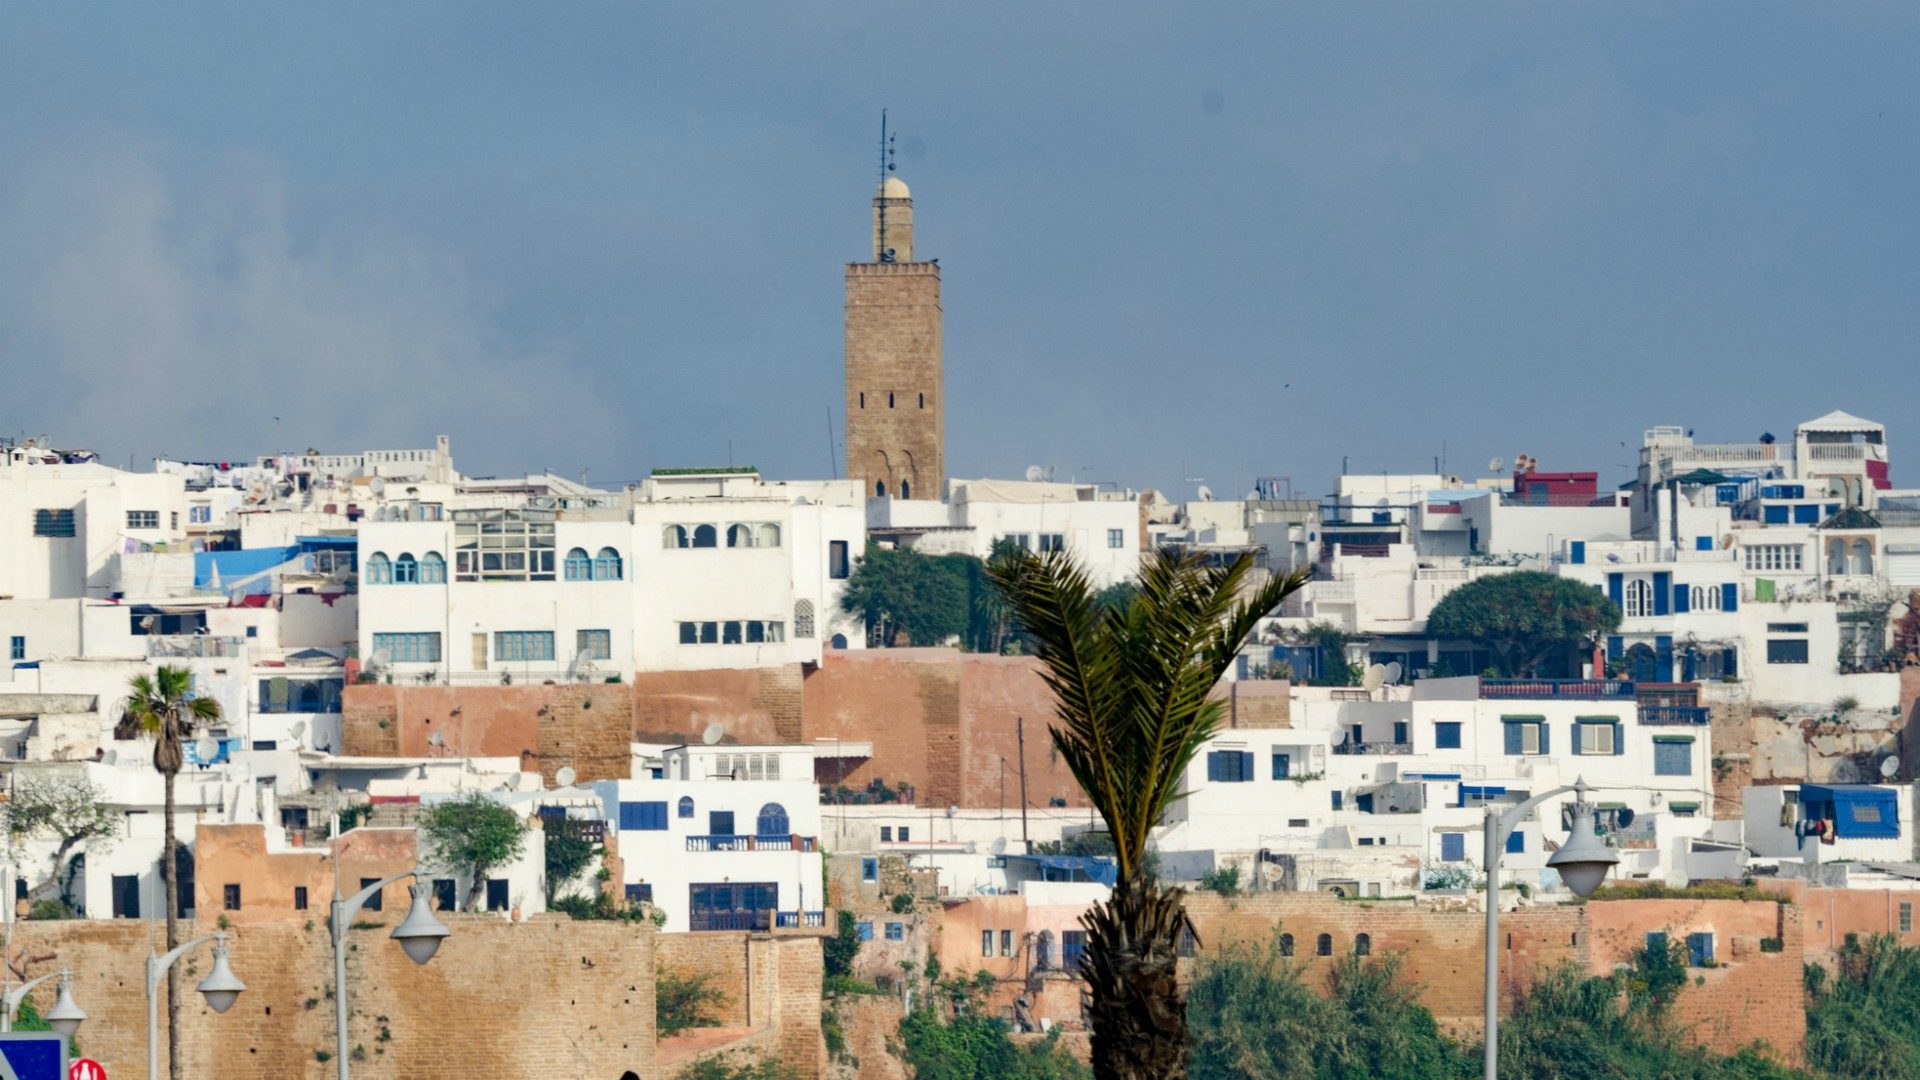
33,1055
87,1069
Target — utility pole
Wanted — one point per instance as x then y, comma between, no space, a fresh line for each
1020,733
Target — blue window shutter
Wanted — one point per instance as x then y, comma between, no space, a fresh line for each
1516,842
1513,738
1336,800
1246,765
1616,647
1619,739
1730,661
1616,588
863,931
1213,765
1703,543
1663,658
1453,847
1682,600
1774,515
1577,551
1730,597
1546,746
1662,592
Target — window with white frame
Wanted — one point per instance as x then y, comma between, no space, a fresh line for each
143,519
1639,599
1596,737
1116,538
503,545
1053,541
1774,556
199,514
747,766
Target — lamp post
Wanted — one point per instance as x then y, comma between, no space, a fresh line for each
419,934
221,988
64,1017
1583,862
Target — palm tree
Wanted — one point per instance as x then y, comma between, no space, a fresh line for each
1133,685
164,706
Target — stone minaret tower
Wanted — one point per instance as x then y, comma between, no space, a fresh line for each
896,431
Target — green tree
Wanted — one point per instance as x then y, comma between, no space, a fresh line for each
569,852
68,809
1525,617
684,1001
1133,688
163,706
968,1044
1862,1021
908,594
473,835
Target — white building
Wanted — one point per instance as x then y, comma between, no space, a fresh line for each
1105,530
1818,823
726,838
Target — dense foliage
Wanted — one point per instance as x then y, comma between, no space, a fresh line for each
910,598
838,951
1527,618
570,849
1865,1019
962,1042
736,1067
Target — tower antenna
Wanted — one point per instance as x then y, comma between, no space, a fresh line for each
886,166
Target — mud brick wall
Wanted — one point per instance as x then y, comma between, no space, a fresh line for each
507,1001
751,705
583,725
773,986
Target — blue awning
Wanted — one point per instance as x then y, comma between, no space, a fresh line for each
1094,867
1484,791
1858,811
243,571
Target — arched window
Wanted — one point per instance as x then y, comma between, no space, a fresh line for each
686,806
767,535
730,632
1862,557
756,631
606,565
578,567
1837,557
880,488
1286,944
740,536
889,399
433,569
1699,598
772,821
1639,599
1043,950
863,399
839,641
1188,943
906,490
706,536
379,570
406,571
1362,945
923,401
674,536
1324,945
803,619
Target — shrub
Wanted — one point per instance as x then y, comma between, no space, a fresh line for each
684,1001
1224,880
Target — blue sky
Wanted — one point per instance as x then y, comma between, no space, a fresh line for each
1177,241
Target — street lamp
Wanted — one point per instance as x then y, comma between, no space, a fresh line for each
1583,862
221,988
419,934
64,1017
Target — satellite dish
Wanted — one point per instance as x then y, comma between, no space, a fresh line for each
1496,465
1623,817
999,845
565,776
113,756
1034,474
1393,672
298,729
713,734
1205,493
437,739
972,847
206,748
1272,872
376,485
1888,768
1376,674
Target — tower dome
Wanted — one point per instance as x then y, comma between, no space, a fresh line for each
894,188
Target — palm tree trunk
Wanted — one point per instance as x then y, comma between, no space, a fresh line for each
1139,1015
167,866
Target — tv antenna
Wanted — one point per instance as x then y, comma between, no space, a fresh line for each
884,253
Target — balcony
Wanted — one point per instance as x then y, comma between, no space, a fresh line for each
1371,748
1666,715
799,920
752,843
170,645
1564,689
757,920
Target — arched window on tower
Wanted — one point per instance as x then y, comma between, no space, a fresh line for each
880,488
906,489
889,399
923,401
